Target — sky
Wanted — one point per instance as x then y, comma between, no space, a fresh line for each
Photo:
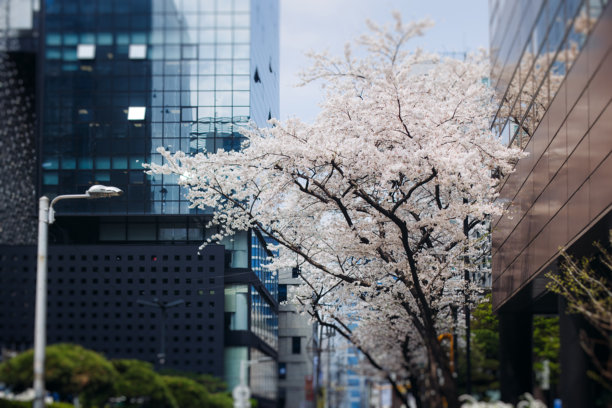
461,25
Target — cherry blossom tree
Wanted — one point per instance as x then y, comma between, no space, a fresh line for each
374,201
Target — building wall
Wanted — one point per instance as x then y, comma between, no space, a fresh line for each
18,41
93,295
556,89
17,148
265,61
298,366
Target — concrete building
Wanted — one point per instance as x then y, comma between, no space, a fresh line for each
296,349
108,83
552,69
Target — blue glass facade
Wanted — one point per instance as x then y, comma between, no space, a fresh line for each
188,67
260,258
264,317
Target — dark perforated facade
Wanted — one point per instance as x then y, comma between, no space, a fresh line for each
93,294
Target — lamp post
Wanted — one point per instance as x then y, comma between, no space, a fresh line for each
163,306
46,216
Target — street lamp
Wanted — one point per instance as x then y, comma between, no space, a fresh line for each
46,216
163,306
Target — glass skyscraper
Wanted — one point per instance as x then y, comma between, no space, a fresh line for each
552,71
115,80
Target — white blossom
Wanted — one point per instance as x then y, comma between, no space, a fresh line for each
370,200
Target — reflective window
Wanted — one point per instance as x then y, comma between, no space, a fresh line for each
136,112
264,320
296,345
560,31
137,51
282,292
259,258
85,51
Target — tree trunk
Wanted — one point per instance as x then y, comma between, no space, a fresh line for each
441,382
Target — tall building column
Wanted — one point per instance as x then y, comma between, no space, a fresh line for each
515,362
576,390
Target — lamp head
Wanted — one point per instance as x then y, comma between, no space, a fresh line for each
100,191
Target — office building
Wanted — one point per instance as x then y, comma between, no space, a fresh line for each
110,82
297,348
552,69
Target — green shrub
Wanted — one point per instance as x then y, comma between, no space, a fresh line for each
28,404
138,382
70,370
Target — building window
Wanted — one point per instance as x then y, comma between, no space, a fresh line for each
296,345
137,51
282,293
295,272
282,370
86,51
136,112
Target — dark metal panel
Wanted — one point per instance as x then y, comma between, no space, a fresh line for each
577,79
598,44
540,174
578,208
557,112
540,138
600,95
600,142
601,193
578,166
557,190
240,338
578,122
557,151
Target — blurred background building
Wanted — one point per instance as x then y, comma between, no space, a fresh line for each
345,385
552,70
90,90
296,348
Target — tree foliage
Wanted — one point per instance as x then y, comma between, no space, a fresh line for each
28,404
191,394
375,201
70,370
73,371
546,346
142,386
587,287
211,383
484,349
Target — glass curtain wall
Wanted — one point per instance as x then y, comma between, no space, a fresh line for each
123,78
559,32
